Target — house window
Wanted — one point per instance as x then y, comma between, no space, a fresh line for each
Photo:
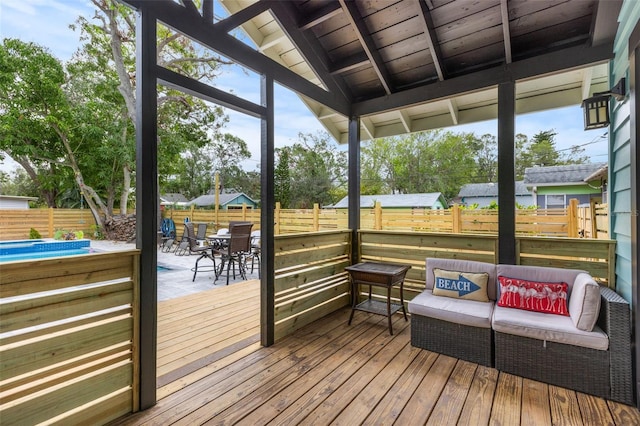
556,201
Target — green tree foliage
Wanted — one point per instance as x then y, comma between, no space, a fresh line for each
282,179
318,171
432,161
73,126
541,151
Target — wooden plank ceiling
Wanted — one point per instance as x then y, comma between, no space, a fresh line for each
376,50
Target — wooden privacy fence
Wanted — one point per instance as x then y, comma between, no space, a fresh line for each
574,221
16,224
69,339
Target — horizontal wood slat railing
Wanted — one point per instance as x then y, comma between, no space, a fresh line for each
587,222
68,339
594,256
310,280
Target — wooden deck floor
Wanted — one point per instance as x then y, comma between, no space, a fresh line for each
211,369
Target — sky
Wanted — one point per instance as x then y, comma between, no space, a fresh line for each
46,22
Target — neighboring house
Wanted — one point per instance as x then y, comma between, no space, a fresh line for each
173,199
601,175
15,202
432,200
483,194
554,186
228,201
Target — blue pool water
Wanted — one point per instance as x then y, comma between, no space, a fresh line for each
40,249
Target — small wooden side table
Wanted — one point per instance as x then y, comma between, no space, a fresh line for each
381,275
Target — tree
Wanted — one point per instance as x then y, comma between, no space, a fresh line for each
282,178
486,151
432,161
77,124
318,171
540,151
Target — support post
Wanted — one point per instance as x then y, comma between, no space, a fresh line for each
267,195
354,185
147,199
506,173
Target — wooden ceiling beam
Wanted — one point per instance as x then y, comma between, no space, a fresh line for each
406,120
586,82
550,63
362,32
350,63
207,10
192,25
453,110
326,12
242,16
309,47
506,32
432,41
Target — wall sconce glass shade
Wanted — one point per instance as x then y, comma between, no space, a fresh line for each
596,112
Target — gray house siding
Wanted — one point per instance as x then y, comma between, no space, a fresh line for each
620,154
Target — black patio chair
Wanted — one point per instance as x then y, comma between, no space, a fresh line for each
233,255
254,254
195,248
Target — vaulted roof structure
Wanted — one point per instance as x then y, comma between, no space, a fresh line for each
409,65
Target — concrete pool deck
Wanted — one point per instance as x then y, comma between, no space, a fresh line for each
176,281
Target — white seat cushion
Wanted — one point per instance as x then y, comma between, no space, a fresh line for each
458,311
548,327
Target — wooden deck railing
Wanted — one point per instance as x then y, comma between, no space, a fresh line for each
68,339
68,336
594,256
310,279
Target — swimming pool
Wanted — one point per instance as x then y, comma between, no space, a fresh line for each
40,249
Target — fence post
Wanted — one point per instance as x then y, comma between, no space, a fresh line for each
594,219
456,219
377,215
572,217
50,222
276,227
316,217
244,212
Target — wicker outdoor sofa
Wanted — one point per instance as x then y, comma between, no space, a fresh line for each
586,347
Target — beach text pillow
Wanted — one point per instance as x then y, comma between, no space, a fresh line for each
548,298
461,285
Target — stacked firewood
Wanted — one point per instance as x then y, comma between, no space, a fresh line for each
121,228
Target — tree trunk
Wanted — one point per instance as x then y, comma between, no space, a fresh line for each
126,188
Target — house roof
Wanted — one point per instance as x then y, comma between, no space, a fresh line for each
601,173
489,189
173,198
396,200
407,65
571,174
224,198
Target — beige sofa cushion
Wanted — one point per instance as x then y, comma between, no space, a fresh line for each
584,302
552,328
459,311
463,266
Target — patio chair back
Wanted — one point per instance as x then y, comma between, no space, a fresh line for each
240,239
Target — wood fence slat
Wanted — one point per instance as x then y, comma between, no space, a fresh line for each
68,396
28,356
58,306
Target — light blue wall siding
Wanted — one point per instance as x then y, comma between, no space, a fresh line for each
619,153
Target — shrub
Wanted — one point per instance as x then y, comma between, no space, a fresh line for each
34,234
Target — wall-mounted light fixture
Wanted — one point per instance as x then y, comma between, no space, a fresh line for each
596,108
